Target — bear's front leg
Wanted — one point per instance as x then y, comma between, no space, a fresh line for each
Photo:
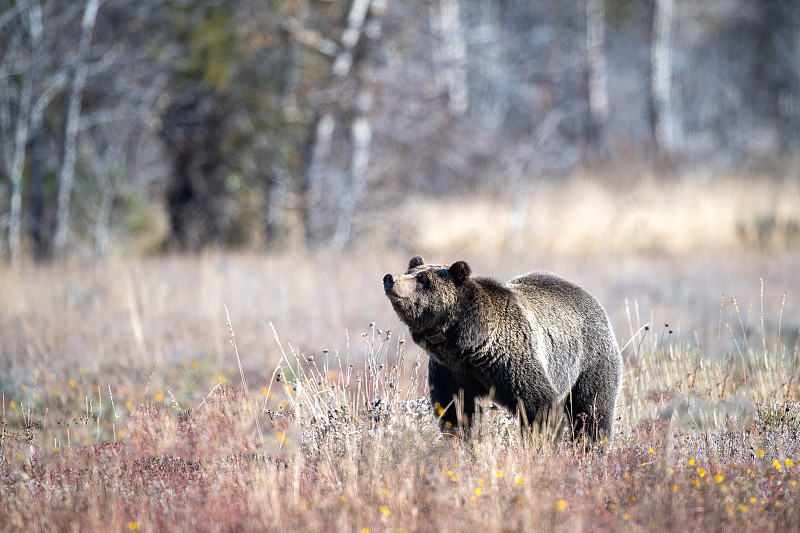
453,395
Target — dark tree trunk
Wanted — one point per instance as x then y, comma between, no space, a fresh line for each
41,244
196,191
775,75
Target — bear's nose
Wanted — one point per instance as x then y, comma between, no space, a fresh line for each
388,282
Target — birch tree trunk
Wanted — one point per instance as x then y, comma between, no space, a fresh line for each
664,124
353,188
596,63
17,164
316,176
318,215
450,54
21,136
355,183
66,173
350,37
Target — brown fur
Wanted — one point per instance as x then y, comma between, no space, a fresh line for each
538,345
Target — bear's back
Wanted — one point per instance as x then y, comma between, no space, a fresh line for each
544,288
570,317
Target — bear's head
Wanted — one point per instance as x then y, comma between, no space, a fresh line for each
425,297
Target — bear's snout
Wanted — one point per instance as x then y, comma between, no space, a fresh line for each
388,283
399,287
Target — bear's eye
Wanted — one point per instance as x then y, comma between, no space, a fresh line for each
423,279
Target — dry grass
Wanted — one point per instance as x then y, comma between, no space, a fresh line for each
124,405
345,444
586,216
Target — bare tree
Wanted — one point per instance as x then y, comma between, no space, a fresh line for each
450,54
347,183
356,179
665,125
66,174
309,116
34,19
596,63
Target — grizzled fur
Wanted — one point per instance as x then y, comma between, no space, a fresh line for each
537,344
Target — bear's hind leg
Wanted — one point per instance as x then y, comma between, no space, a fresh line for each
590,409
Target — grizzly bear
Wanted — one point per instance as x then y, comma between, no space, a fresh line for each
538,345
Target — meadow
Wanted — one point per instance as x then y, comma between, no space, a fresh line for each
251,392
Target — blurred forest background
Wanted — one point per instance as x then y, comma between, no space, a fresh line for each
149,125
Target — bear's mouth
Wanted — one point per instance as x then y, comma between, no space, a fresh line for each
391,294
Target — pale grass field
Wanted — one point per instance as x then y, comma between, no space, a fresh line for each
97,438
125,405
585,215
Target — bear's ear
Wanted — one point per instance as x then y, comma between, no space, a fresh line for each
415,262
459,271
